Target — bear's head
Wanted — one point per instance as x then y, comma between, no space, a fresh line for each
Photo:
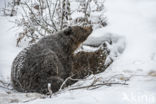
77,35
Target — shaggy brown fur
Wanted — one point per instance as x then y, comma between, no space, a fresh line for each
51,60
86,63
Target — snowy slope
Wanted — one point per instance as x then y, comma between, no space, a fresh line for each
133,19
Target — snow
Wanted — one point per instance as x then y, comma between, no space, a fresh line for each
134,21
8,47
133,18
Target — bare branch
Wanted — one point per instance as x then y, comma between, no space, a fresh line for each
36,19
62,17
67,79
50,14
97,85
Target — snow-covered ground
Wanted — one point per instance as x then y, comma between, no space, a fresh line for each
8,47
133,19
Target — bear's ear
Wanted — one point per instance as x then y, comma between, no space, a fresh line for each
68,30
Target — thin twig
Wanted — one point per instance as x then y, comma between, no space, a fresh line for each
30,100
62,17
50,15
97,85
44,27
5,85
65,81
54,9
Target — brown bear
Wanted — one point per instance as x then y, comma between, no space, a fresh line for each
52,60
86,63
